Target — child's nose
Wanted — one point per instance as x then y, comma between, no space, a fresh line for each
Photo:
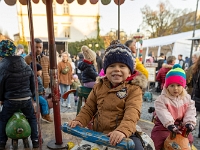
117,68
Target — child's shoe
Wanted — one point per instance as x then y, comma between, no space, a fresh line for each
76,103
63,105
35,143
47,118
2,145
68,106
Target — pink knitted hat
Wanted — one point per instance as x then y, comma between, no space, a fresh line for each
175,75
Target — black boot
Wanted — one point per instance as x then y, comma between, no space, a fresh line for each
199,130
35,143
2,145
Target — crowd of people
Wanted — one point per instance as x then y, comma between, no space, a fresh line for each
117,82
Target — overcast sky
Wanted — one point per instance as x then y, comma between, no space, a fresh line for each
130,15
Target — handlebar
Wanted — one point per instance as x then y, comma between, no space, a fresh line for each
96,137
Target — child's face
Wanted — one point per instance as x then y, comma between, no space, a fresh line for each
117,73
75,79
173,62
39,73
65,57
175,89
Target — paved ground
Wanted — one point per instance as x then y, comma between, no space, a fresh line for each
48,133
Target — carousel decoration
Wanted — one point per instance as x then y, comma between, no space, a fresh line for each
81,2
138,37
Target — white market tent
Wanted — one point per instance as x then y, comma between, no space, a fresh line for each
172,44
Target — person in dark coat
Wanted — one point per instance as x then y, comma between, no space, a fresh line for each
89,72
99,61
196,87
17,87
79,59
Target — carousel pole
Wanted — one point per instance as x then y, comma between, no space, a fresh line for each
29,8
118,32
58,142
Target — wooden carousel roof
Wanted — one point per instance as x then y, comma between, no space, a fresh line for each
81,2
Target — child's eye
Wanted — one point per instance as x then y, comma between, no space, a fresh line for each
122,66
111,66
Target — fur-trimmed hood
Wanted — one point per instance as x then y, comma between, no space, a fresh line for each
138,79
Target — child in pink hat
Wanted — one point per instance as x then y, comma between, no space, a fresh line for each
175,110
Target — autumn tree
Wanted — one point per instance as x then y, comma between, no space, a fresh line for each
166,20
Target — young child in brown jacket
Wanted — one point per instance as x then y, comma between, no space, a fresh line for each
116,100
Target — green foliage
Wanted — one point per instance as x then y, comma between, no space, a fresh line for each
95,44
166,20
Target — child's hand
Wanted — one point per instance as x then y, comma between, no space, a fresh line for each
74,123
115,137
189,127
173,129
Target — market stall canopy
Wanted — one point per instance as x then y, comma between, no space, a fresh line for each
195,38
81,2
178,43
170,39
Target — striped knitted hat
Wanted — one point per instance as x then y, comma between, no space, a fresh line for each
118,53
175,75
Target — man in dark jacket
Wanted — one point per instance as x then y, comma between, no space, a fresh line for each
99,61
17,88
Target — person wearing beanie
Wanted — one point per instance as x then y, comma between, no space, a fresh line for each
17,90
42,101
20,50
114,97
174,108
75,84
89,73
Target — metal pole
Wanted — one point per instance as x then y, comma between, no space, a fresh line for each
29,8
118,32
193,32
57,143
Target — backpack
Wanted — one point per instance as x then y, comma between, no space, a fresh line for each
160,62
183,66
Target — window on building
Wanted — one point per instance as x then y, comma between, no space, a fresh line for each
65,8
55,31
66,31
54,7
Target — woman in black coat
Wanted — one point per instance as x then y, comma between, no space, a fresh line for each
196,87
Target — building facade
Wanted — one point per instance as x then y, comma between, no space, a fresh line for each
72,22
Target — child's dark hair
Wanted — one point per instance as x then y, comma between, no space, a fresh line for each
37,40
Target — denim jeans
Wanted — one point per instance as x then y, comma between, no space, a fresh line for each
43,105
12,106
64,88
138,143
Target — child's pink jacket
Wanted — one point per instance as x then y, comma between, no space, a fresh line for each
169,108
